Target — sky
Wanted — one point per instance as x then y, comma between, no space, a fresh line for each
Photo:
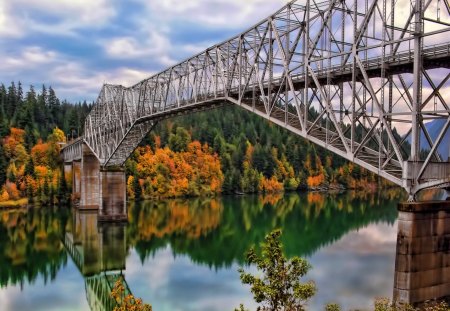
77,45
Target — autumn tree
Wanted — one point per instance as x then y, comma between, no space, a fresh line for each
127,302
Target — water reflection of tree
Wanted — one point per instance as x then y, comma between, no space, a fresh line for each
217,232
30,245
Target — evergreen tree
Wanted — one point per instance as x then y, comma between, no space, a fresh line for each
63,194
29,168
3,166
137,189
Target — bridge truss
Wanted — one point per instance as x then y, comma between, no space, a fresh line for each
364,79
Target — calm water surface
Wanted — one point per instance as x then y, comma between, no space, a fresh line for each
184,254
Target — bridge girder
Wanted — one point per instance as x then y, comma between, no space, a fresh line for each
360,78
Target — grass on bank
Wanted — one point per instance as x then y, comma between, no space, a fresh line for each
14,203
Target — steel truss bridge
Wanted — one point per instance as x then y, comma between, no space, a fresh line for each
364,79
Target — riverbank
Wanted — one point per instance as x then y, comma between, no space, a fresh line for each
20,203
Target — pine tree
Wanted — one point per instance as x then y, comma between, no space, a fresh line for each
3,166
137,188
29,168
63,190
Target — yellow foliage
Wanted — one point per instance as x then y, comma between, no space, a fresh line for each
130,189
58,136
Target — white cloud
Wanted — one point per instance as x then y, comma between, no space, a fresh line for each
62,16
156,46
29,58
8,26
216,13
74,80
84,12
71,79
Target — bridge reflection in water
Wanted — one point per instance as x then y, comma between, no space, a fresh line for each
422,265
99,251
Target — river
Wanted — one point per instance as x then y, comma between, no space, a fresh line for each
184,254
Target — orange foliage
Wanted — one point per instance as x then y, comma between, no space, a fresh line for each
270,185
271,198
178,217
315,198
39,153
4,196
41,171
13,141
315,181
18,135
11,189
165,173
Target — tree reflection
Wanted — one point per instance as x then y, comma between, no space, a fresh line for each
214,231
218,232
30,246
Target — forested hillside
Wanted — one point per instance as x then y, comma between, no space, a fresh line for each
255,156
225,150
32,124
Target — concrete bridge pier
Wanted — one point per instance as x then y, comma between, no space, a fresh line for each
422,262
112,196
76,180
68,171
90,180
102,189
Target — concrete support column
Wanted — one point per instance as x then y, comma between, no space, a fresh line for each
68,172
112,195
422,265
76,178
90,180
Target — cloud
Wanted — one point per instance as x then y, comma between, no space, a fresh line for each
74,80
49,16
30,58
6,21
156,46
216,13
71,78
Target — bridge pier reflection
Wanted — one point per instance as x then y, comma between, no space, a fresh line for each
99,251
422,266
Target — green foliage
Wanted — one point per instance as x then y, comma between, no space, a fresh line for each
3,166
137,188
277,152
332,307
279,288
40,113
179,141
384,304
63,194
29,168
241,308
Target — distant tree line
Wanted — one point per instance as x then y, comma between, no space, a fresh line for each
255,155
